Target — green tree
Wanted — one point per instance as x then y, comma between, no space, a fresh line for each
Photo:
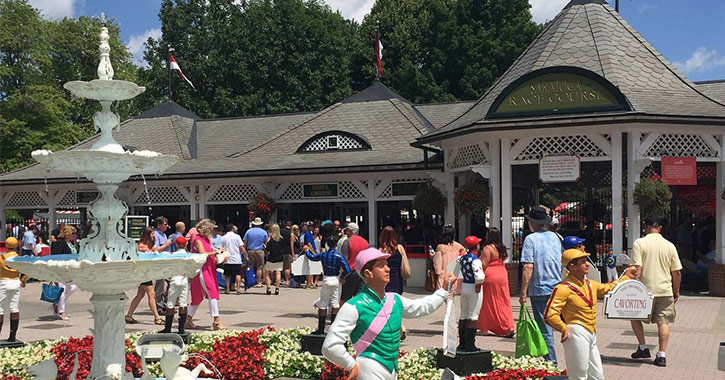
260,57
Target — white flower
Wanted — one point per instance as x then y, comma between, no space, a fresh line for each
114,371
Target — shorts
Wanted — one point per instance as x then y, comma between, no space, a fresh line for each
287,262
147,283
470,303
232,270
256,258
329,293
663,310
178,290
9,296
274,267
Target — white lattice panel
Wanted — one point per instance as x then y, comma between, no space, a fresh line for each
69,199
348,190
162,194
468,155
682,146
234,193
344,142
25,199
580,145
293,192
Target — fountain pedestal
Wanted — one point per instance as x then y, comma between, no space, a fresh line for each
109,327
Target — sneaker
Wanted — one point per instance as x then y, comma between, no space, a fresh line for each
641,354
661,361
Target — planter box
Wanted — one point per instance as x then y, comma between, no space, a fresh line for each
466,363
716,277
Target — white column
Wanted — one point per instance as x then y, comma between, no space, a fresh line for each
617,226
464,222
450,216
506,194
720,206
494,183
202,203
633,231
372,215
109,328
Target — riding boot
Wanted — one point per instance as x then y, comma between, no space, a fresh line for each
332,318
471,339
320,325
167,324
462,323
182,322
13,329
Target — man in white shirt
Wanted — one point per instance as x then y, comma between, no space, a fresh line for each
237,257
29,240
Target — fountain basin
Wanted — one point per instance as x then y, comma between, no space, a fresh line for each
104,89
108,277
105,167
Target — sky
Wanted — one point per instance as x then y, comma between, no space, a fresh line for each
688,33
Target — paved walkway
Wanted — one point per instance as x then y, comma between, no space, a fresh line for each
692,352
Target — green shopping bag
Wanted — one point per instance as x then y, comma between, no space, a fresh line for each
529,340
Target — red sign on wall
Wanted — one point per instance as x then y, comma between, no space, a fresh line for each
679,170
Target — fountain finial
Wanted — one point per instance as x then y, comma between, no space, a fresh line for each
105,70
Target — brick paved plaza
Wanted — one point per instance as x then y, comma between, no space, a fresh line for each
692,353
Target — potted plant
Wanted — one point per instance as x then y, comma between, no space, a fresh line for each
471,199
653,197
429,200
262,206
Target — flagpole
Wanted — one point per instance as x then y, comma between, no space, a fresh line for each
168,64
377,54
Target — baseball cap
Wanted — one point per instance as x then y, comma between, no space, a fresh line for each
571,254
367,255
11,243
572,241
180,242
352,226
653,221
471,242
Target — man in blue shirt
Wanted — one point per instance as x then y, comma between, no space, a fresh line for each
29,240
161,244
332,264
541,259
254,239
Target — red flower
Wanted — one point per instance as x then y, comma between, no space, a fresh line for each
333,372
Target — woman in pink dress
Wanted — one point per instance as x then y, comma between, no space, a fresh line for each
204,284
445,253
496,314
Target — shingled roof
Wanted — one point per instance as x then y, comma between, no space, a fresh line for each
713,88
590,35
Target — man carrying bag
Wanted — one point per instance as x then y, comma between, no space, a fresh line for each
529,340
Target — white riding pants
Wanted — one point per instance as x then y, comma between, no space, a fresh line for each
9,297
582,354
371,369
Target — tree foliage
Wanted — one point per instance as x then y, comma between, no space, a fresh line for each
36,58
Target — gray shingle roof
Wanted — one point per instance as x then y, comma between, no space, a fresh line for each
225,137
713,88
167,109
440,114
589,34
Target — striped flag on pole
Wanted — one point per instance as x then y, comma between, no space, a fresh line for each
379,53
175,66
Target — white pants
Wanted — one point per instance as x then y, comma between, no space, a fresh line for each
329,293
68,289
371,369
178,290
470,302
582,354
612,274
9,296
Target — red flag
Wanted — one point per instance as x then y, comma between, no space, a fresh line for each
175,66
379,52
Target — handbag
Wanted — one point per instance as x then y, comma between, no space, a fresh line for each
250,278
51,293
431,281
222,256
405,271
529,340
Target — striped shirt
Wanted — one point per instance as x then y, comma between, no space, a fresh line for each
332,262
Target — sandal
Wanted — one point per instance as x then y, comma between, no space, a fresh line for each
218,326
276,291
269,291
159,321
131,320
189,325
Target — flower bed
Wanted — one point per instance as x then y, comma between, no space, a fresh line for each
248,355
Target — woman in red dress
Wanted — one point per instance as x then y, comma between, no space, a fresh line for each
204,284
496,314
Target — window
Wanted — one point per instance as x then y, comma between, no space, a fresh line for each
334,141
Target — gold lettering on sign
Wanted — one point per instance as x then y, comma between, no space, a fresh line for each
556,92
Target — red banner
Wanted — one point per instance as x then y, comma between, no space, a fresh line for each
679,170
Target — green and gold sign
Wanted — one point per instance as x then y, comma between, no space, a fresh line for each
135,225
319,190
556,92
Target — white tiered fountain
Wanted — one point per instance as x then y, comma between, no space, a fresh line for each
108,263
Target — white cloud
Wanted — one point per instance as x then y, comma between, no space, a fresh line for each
54,9
545,10
701,60
136,44
644,7
351,9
